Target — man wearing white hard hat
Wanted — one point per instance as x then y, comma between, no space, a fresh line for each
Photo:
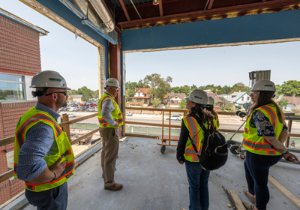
43,155
110,119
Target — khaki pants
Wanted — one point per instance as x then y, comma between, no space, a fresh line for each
110,141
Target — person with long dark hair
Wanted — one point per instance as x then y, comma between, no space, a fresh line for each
214,115
189,148
262,139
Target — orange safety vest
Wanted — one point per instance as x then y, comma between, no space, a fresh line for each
116,113
197,135
257,144
64,148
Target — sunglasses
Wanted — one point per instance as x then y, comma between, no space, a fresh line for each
65,93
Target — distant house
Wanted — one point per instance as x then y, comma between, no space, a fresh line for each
174,99
293,103
238,98
76,98
141,97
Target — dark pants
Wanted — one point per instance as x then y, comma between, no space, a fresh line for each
257,173
198,186
53,199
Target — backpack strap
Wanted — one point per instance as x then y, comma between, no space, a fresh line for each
200,122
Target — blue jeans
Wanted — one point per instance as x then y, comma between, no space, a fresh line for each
53,199
198,186
257,173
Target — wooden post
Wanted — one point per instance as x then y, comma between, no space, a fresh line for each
65,126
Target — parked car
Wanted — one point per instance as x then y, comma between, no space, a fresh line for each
176,117
71,116
129,114
92,109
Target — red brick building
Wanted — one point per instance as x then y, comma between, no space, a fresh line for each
19,61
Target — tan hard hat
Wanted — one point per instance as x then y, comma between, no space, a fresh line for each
112,82
49,79
264,85
198,97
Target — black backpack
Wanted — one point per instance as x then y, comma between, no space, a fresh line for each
214,151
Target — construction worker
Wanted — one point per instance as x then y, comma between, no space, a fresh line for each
110,118
43,155
189,148
214,115
264,125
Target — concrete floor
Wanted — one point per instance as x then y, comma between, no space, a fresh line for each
155,181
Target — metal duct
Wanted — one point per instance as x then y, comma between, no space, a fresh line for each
103,31
91,15
104,14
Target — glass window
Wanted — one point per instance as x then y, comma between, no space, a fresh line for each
11,87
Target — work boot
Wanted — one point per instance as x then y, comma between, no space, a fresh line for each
113,186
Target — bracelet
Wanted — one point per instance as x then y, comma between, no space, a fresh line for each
54,176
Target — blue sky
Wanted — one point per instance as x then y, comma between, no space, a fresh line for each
73,57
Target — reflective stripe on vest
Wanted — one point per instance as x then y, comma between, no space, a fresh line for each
64,149
116,113
257,144
197,135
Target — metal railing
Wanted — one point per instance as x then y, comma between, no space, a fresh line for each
166,136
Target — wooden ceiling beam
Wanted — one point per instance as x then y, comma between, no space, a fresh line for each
124,9
161,10
260,7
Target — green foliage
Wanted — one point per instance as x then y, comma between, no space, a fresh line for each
156,102
159,86
239,87
283,103
87,94
182,89
183,104
289,88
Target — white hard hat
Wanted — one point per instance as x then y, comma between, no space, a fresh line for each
264,85
112,82
48,79
210,101
198,97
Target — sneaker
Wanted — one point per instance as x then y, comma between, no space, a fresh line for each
113,186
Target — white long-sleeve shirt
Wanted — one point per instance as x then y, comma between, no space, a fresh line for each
107,108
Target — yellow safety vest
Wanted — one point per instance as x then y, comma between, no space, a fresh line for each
64,148
257,144
116,113
197,135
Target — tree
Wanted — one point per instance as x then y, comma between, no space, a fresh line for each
156,102
86,93
239,87
283,103
183,104
289,88
159,86
182,89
